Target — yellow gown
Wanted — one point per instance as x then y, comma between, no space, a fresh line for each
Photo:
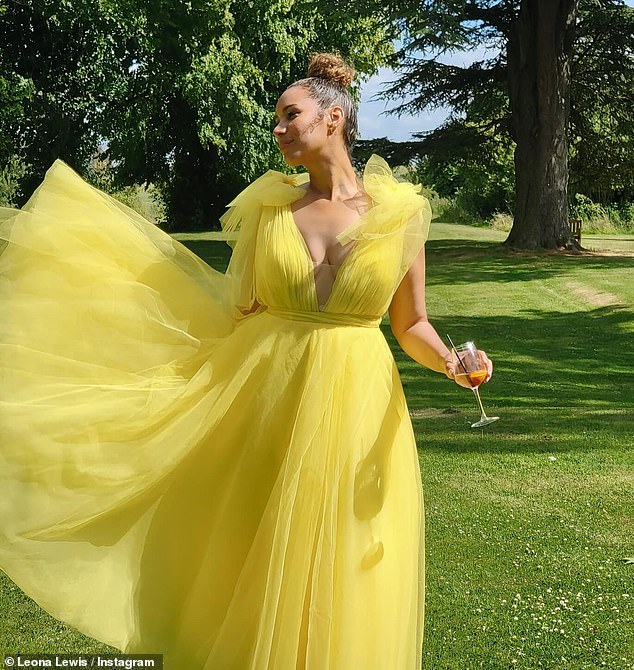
235,490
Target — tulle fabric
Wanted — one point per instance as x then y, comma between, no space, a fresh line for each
206,465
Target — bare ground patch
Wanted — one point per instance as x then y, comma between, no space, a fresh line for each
431,412
591,296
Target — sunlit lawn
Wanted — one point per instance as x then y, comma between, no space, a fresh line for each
530,519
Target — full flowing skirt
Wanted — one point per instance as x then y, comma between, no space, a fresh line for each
236,497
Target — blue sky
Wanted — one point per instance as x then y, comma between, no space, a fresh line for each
372,123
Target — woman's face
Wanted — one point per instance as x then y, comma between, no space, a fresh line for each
303,128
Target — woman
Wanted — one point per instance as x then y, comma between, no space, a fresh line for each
221,468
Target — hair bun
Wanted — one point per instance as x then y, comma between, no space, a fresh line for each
332,67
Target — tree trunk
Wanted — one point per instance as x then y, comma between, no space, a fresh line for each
539,51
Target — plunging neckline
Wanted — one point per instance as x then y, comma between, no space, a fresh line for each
309,257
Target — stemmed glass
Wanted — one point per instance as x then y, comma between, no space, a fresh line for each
472,366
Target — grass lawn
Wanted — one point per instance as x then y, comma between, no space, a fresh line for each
530,519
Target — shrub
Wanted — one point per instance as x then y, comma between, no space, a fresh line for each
501,221
146,200
602,218
11,174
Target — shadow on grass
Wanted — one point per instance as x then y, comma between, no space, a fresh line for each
477,261
216,254
459,262
554,359
567,375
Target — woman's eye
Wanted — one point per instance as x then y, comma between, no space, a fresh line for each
289,116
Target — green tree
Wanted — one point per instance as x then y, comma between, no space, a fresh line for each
60,58
211,77
522,88
601,119
177,93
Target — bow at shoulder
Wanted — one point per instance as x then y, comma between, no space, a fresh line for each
397,205
273,188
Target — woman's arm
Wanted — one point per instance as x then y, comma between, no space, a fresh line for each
416,336
408,320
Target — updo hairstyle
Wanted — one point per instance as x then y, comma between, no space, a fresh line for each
328,82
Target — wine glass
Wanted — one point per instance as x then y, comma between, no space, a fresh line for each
472,367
